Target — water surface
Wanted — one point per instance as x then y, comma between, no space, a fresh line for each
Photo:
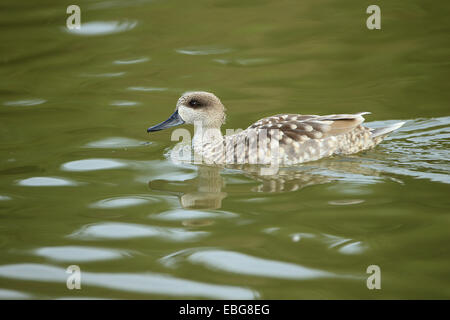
82,183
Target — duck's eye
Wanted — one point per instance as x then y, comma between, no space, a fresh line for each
194,103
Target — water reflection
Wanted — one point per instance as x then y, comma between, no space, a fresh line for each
206,190
352,248
74,254
345,246
46,182
331,242
244,62
235,262
175,215
102,27
147,89
144,283
92,165
122,202
346,202
117,230
13,294
207,193
114,142
105,75
132,61
124,103
206,50
24,103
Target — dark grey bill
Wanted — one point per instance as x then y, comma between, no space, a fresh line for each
174,120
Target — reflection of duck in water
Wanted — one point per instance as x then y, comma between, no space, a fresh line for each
202,192
208,189
285,138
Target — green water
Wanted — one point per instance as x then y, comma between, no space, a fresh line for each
82,183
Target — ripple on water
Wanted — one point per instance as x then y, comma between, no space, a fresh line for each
79,254
345,246
419,149
114,142
244,62
147,89
174,215
342,245
146,283
202,50
116,230
124,103
105,75
92,165
46,182
352,248
4,198
24,103
122,202
132,61
346,202
296,237
234,262
13,294
97,28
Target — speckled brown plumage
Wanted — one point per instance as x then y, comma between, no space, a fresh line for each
302,138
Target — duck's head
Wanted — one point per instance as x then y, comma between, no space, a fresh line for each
195,107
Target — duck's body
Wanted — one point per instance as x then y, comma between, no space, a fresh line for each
285,139
301,138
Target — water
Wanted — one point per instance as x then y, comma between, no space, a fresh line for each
83,184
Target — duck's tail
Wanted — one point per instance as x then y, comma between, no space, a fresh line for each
382,132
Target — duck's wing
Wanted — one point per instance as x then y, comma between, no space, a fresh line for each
304,127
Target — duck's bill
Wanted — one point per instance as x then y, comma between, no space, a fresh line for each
174,120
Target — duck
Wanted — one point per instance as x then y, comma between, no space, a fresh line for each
286,139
